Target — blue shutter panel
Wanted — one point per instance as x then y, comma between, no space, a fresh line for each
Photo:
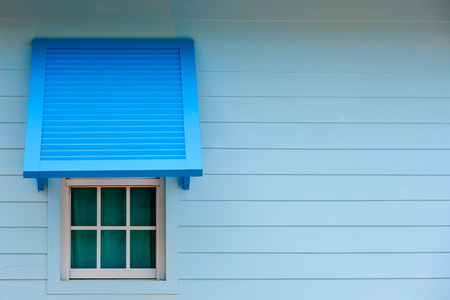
112,108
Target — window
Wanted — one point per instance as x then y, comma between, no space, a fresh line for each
112,228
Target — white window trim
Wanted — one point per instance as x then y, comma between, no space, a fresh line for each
155,273
167,286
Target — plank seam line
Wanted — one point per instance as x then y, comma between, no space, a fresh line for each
317,253
309,149
316,201
315,97
325,174
348,278
323,123
23,227
312,175
97,19
313,226
18,254
303,21
20,201
311,72
303,46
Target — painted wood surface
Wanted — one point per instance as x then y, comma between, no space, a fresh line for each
320,33
320,59
403,289
14,135
314,213
36,290
22,266
23,214
22,31
231,84
433,10
321,187
85,9
19,189
362,86
13,109
313,266
324,136
23,240
324,239
323,162
324,110
294,110
289,58
305,136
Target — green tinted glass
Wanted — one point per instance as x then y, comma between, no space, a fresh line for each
113,206
84,249
113,249
84,206
143,206
143,249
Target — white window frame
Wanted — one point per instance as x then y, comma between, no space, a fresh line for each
67,273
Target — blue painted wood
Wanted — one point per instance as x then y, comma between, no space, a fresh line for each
314,239
25,9
315,33
323,162
233,84
336,110
23,31
36,290
321,59
11,162
20,266
15,57
13,135
40,184
15,83
23,214
23,240
312,10
325,136
13,109
291,187
313,266
290,59
65,70
315,289
17,188
314,213
185,182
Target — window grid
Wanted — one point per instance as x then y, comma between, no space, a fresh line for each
127,272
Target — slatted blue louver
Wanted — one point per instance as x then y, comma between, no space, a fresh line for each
112,108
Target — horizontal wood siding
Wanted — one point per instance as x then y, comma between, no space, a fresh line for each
324,134
399,289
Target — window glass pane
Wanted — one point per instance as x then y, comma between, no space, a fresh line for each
84,249
143,206
84,206
113,249
113,206
143,249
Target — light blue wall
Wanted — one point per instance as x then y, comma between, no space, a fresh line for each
325,134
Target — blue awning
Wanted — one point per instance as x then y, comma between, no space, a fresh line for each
112,108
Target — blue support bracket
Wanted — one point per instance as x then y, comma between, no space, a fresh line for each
185,182
40,184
